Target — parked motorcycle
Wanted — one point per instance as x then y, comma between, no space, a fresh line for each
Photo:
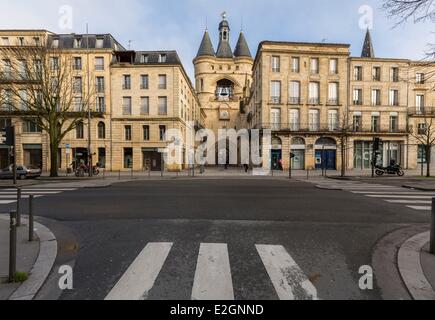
83,169
391,169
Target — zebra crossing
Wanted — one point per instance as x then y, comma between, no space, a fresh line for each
412,199
9,196
212,278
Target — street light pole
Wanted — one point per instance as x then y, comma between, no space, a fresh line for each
90,167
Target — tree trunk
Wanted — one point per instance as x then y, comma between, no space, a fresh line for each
343,157
428,159
53,159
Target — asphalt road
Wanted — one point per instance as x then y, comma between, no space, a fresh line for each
328,233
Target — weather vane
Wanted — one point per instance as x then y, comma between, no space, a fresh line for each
224,15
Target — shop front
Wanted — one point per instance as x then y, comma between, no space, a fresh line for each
298,149
389,151
276,154
326,154
32,155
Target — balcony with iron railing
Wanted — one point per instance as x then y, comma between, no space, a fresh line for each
333,102
9,78
275,100
314,101
333,128
421,111
294,100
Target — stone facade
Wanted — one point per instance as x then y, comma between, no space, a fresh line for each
101,59
223,79
372,98
319,102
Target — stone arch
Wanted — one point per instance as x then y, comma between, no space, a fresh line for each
326,141
298,141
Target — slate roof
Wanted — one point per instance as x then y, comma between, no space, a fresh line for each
368,50
66,41
206,47
242,48
224,50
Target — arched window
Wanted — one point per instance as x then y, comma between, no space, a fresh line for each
79,131
101,130
298,141
224,90
326,142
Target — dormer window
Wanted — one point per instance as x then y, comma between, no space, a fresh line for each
144,58
77,43
100,43
162,58
55,43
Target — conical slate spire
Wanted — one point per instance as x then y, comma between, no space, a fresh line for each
368,51
224,48
206,47
242,48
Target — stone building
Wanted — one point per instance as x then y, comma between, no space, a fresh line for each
136,98
90,57
321,103
151,94
223,78
299,92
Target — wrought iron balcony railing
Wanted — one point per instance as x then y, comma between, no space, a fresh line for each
421,111
332,128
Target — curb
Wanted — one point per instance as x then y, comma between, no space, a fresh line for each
411,271
43,264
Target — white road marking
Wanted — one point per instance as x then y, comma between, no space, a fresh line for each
288,279
394,192
28,192
397,196
410,201
7,201
213,273
15,196
140,277
421,208
41,189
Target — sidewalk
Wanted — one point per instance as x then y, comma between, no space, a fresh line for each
27,252
417,267
104,179
36,259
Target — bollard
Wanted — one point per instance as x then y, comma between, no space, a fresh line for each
119,175
13,246
132,173
432,229
31,218
18,207
308,174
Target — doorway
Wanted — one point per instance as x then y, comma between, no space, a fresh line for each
152,160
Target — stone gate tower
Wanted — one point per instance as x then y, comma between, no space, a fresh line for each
223,78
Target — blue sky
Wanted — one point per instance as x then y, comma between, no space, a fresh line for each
172,24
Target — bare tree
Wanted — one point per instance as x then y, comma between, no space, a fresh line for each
46,93
403,10
425,135
343,131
